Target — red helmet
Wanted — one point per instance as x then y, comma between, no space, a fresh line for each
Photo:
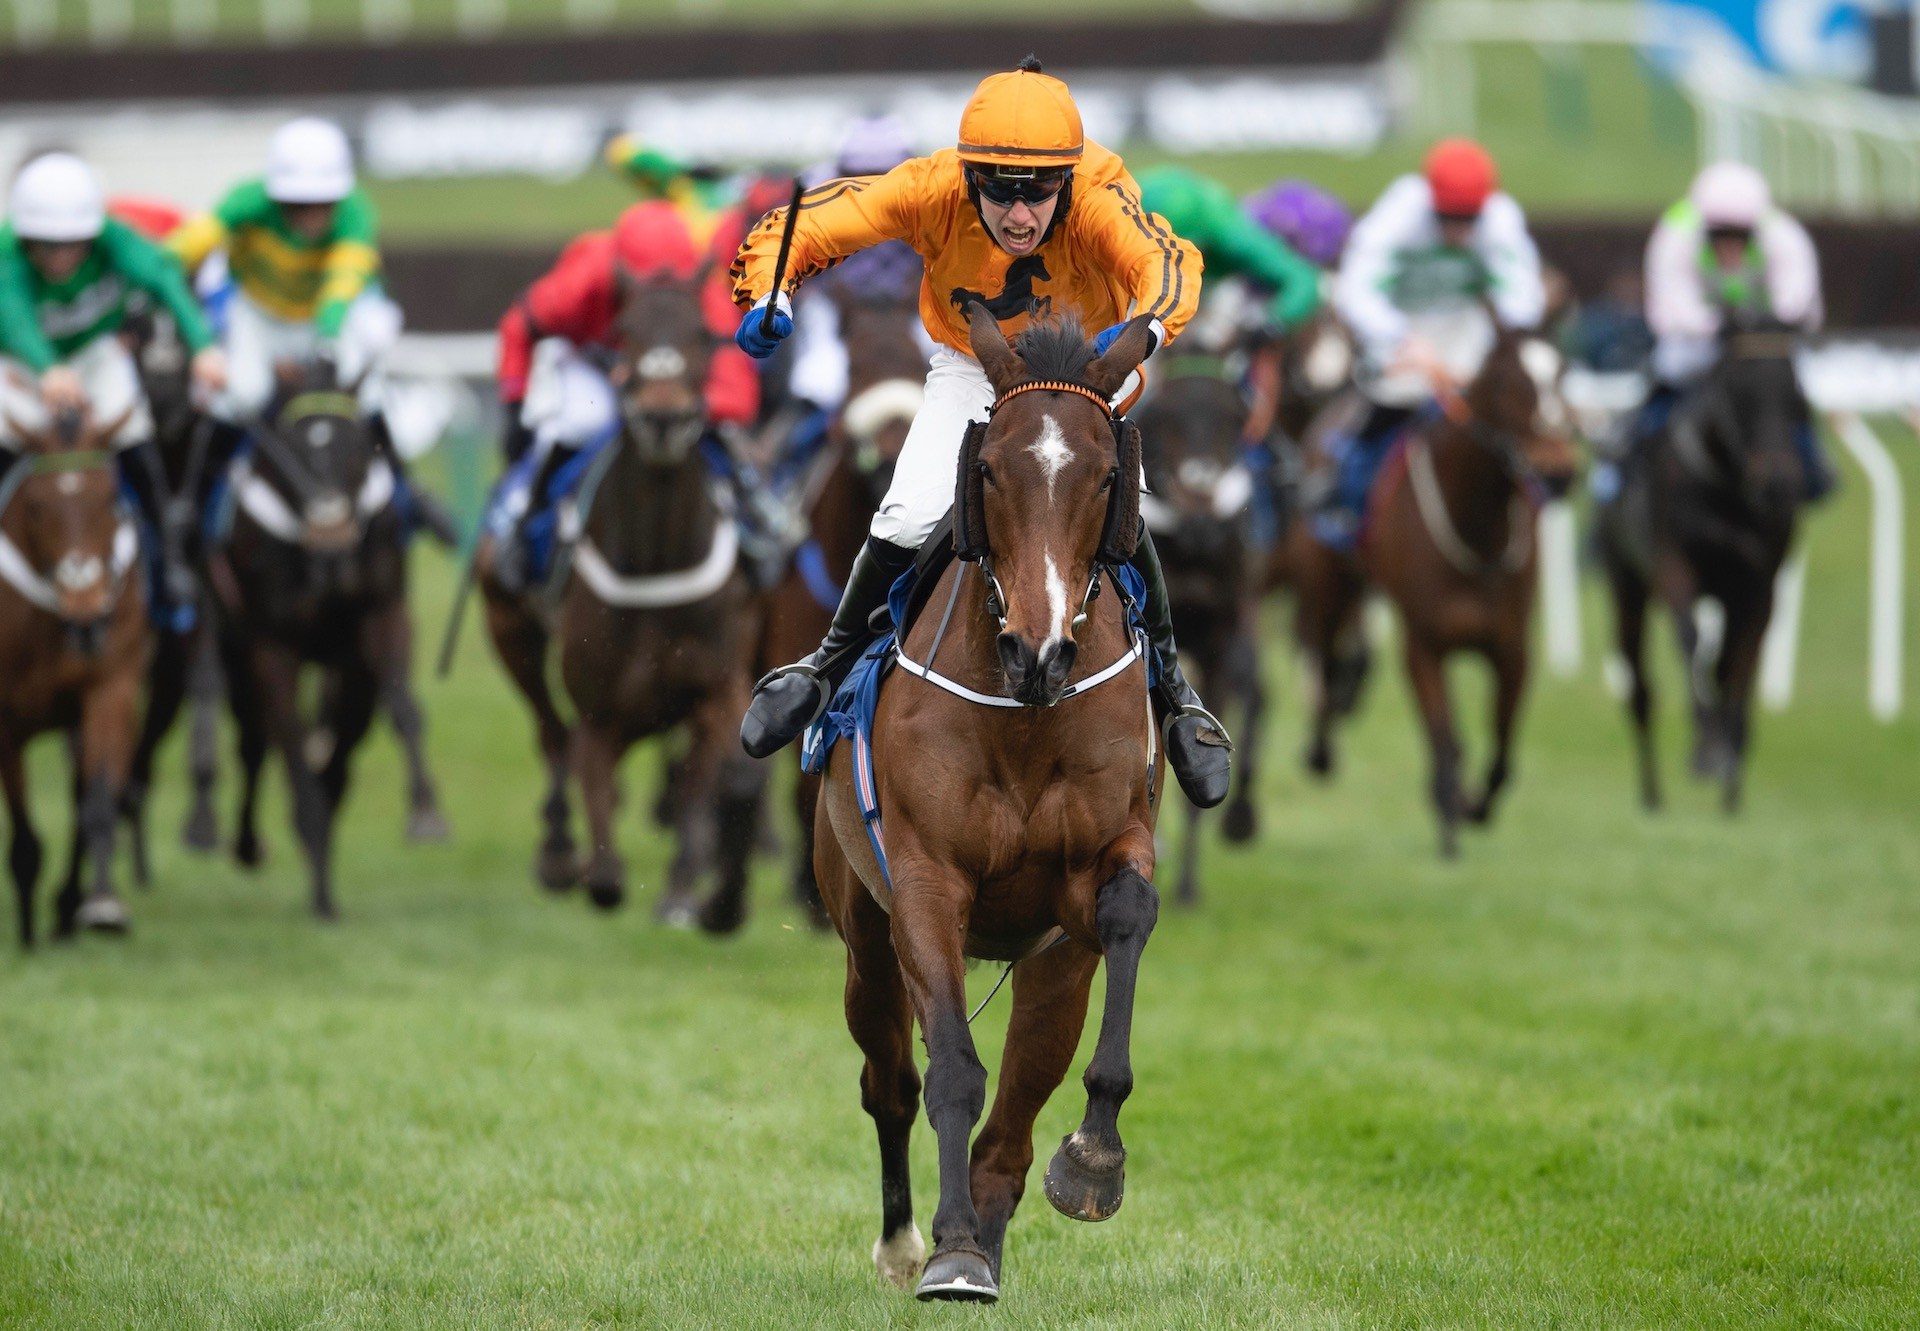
651,240
1462,177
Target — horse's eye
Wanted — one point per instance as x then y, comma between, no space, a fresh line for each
986,474
1106,483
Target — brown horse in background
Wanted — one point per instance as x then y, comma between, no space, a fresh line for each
1191,427
655,620
1450,539
313,576
1708,512
1006,825
885,369
74,643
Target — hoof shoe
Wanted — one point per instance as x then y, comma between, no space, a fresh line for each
106,915
428,825
1081,1185
958,1275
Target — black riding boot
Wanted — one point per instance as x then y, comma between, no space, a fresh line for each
1197,744
787,700
512,559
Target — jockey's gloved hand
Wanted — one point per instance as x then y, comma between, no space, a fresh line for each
765,327
1106,337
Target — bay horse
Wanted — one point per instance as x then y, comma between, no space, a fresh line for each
1007,819
313,576
1199,489
74,643
1449,538
839,496
654,617
1709,512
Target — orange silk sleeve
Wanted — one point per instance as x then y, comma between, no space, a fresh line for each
1161,270
837,218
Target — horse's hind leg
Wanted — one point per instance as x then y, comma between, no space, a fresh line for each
710,744
1243,678
1049,1009
1427,672
1509,661
354,700
204,686
881,1022
1087,1176
1630,614
522,647
1739,662
250,741
23,848
743,787
425,821
166,689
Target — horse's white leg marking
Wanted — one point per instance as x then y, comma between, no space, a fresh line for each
1056,604
1051,450
900,1258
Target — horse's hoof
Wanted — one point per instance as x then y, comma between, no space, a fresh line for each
678,910
326,912
723,914
1479,813
201,832
246,851
1085,1181
428,825
1241,824
607,894
103,915
557,869
1320,762
901,1258
958,1275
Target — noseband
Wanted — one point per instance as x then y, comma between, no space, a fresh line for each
18,571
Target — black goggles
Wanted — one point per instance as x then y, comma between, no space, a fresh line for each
1009,190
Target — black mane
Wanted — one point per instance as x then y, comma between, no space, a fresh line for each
1055,349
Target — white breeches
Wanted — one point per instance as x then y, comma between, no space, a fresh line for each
106,370
570,400
256,342
957,394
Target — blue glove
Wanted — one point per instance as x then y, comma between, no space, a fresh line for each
763,330
1108,336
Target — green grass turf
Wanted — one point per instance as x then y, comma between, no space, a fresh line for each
1607,1071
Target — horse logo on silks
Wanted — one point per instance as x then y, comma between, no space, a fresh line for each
1016,296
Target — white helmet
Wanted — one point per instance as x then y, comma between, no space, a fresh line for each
1731,194
308,161
56,197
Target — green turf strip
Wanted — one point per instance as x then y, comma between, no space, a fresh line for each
1607,1071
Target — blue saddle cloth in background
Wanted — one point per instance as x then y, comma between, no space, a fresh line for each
850,715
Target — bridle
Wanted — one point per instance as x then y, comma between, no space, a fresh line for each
1119,534
322,505
19,572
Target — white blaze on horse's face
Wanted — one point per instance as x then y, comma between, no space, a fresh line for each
1056,603
1052,453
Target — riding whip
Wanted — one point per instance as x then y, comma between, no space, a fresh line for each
786,245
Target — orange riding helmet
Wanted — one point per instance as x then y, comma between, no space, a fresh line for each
1023,118
1462,176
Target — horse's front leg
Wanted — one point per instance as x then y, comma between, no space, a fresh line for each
24,849
392,643
166,689
1049,1010
1747,622
204,688
1427,673
1509,661
1243,679
932,903
109,721
1087,1176
276,676
739,787
596,760
1630,612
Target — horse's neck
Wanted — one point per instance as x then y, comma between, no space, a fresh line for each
651,519
1477,488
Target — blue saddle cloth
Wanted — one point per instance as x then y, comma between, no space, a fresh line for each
850,715
1358,461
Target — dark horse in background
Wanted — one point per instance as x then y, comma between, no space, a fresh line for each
74,641
312,578
838,496
654,620
1199,491
1449,538
1707,512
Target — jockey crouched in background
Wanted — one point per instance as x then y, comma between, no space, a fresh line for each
66,273
1419,268
300,247
1725,256
1023,216
557,345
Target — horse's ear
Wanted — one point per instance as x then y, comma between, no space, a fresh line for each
101,435
1107,373
990,347
35,441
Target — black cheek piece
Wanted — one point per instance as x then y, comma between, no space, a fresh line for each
1119,533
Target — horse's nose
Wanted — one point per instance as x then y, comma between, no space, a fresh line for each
1037,677
1020,662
